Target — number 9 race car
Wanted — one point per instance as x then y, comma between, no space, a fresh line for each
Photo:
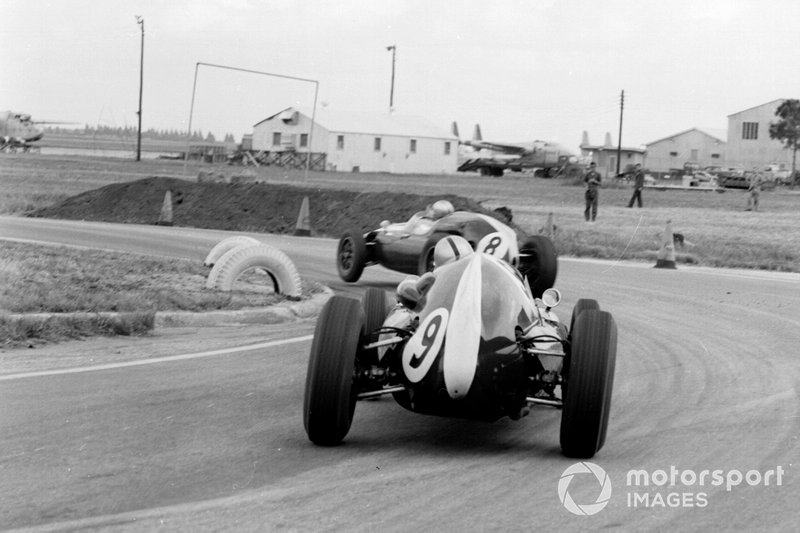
476,345
408,246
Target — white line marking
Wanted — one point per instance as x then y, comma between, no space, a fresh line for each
155,360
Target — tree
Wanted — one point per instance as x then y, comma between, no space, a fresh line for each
787,130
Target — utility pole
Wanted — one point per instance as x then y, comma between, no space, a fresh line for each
140,22
619,141
393,49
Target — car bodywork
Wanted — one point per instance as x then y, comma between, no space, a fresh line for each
481,348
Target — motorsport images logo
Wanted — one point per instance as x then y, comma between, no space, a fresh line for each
662,488
580,470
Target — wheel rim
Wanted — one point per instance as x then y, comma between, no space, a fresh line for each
346,254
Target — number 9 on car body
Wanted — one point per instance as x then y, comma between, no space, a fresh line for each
423,348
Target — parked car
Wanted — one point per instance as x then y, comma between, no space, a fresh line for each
701,178
733,181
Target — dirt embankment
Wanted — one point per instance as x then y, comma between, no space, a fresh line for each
257,207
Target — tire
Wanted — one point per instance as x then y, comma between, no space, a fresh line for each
588,383
583,304
351,256
376,307
227,244
539,263
237,260
330,395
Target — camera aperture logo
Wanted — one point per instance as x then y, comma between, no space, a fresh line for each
663,488
580,470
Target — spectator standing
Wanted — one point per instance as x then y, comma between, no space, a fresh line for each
592,179
756,182
638,185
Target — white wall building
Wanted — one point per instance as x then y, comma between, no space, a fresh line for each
361,142
703,146
605,155
749,144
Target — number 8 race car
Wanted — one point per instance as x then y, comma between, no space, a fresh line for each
480,347
408,246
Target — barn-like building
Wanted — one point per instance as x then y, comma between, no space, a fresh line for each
702,147
749,143
360,141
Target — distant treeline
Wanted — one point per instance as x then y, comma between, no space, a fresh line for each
130,132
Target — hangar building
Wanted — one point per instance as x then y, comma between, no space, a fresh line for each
749,144
701,146
360,141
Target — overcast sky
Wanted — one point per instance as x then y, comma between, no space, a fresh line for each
523,70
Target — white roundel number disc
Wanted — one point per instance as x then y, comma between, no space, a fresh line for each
423,347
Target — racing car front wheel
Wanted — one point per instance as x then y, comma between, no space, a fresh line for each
351,256
587,385
376,306
330,397
583,304
538,263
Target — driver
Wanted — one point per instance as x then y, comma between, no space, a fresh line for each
432,212
412,290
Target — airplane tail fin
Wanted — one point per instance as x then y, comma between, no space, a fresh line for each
454,129
476,135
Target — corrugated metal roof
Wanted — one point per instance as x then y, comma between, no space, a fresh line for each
374,123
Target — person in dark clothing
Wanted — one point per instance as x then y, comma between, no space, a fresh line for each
592,179
638,185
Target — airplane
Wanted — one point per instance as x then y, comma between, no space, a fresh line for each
546,158
18,131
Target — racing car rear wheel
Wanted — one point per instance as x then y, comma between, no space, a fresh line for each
376,307
330,397
588,382
351,256
538,263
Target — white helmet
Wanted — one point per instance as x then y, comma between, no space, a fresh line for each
442,208
450,249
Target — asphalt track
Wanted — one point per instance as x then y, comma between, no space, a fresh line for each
708,377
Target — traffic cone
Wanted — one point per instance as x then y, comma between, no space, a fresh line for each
666,254
165,219
303,227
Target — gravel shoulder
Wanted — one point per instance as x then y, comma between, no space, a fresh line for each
162,342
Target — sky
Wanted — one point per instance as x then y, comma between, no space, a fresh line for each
523,70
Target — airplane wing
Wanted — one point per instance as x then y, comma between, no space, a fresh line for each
497,147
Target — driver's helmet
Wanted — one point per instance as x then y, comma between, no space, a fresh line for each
441,208
450,249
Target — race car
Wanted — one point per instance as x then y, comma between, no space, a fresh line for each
408,246
478,345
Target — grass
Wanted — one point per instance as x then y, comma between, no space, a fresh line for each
717,230
59,279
